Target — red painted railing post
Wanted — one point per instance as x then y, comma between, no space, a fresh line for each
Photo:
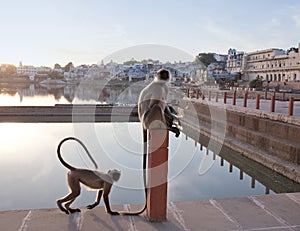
266,94
283,96
225,97
245,99
257,101
234,98
291,106
272,106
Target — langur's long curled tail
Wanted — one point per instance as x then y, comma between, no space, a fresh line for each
144,178
84,147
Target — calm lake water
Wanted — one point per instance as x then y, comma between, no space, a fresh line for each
32,176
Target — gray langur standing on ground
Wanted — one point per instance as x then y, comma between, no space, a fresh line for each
91,178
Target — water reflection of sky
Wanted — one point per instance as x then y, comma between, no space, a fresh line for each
32,176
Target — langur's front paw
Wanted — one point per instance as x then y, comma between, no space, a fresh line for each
91,206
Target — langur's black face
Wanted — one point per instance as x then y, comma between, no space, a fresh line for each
163,75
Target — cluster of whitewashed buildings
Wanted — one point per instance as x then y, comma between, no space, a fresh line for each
134,72
32,71
270,65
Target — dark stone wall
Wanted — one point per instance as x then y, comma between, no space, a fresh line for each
249,133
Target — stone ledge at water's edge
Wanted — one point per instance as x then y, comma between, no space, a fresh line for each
69,113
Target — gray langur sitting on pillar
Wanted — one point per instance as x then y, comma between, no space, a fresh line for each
154,113
152,106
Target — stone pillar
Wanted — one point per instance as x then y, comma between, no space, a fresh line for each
158,142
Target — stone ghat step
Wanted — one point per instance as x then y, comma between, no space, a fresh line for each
69,113
268,212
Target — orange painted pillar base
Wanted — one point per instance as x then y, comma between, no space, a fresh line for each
158,142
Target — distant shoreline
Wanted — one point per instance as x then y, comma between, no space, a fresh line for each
17,80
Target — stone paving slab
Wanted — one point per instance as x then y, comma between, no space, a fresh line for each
285,209
98,219
205,216
47,220
11,220
246,214
278,212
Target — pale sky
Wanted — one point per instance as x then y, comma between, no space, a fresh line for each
45,32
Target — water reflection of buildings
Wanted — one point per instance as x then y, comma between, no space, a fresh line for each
34,90
117,94
76,94
109,94
82,93
31,91
258,173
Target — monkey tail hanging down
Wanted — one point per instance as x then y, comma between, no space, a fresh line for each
154,113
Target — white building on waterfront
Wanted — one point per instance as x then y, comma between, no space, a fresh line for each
26,70
31,71
274,65
235,61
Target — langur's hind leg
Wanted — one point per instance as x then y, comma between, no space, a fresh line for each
59,204
154,118
69,200
71,210
74,186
